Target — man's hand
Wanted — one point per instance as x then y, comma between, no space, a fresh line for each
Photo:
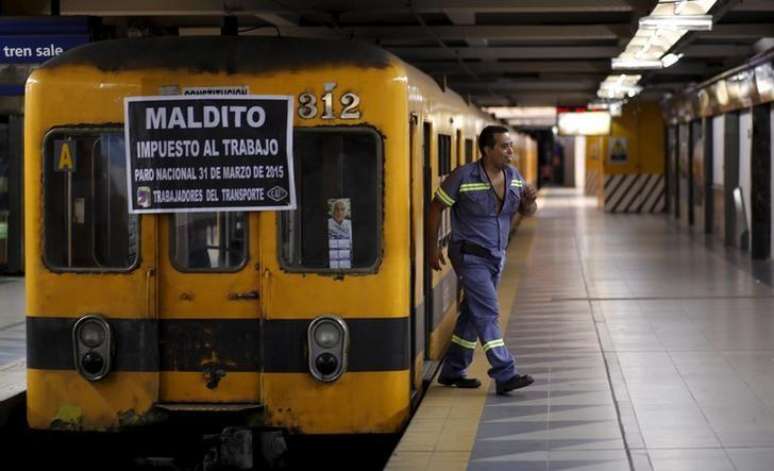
436,258
528,205
530,193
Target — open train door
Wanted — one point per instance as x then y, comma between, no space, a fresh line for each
427,271
417,250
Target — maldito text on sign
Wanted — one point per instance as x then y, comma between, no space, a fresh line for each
204,153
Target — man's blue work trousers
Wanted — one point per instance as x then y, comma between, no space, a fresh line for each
478,318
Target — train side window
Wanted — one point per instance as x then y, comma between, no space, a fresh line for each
86,223
444,154
468,151
444,169
209,241
337,226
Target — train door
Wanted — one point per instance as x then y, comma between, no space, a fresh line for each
745,172
709,202
427,273
208,292
733,218
684,174
718,177
672,172
416,231
697,176
760,203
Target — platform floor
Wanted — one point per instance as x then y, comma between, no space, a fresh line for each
652,349
12,339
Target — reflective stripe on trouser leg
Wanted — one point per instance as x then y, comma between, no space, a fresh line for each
461,348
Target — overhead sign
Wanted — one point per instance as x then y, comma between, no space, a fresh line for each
200,153
36,49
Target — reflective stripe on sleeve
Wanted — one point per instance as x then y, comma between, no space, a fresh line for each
493,343
463,343
517,183
445,199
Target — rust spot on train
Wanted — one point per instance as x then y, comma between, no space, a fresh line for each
68,417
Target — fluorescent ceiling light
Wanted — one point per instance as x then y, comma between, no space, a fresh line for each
613,107
670,59
636,64
622,91
593,123
599,105
508,112
680,6
676,22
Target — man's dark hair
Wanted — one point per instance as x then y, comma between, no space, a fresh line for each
487,136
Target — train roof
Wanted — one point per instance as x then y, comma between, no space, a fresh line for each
222,54
245,55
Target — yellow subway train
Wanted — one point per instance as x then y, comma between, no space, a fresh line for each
133,317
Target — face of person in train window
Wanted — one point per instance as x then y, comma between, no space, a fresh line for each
338,212
500,155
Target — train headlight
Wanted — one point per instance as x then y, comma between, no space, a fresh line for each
327,334
93,346
91,333
328,347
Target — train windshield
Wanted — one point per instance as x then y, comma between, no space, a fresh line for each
209,241
87,224
337,226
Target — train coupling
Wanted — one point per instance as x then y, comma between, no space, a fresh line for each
234,448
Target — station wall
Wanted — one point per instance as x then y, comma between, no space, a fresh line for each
625,170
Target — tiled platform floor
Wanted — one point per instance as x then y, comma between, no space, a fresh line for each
651,351
12,320
12,340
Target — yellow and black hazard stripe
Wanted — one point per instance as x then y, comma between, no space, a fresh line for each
634,193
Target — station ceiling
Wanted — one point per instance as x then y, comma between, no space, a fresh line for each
497,52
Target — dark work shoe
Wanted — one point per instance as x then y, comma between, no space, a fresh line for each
462,382
517,382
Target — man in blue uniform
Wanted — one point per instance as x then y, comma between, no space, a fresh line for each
484,198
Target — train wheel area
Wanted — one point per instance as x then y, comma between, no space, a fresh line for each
186,445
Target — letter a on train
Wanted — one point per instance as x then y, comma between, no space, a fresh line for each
65,153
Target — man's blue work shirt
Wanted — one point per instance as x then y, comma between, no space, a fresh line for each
474,204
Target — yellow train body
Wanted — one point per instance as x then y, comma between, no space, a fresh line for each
179,326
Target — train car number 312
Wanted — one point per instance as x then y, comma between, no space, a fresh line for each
308,105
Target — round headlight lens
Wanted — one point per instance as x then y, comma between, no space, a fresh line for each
327,335
92,334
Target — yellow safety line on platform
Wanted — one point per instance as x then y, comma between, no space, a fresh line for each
442,433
